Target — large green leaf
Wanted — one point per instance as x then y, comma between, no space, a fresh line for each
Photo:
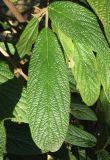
48,96
79,137
83,112
102,9
2,140
78,23
82,27
27,38
83,64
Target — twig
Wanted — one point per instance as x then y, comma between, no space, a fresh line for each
39,13
17,71
46,19
4,53
14,11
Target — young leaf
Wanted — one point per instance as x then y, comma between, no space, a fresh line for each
102,9
78,137
83,64
48,94
27,38
83,112
2,140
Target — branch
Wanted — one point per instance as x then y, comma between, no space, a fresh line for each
17,71
14,11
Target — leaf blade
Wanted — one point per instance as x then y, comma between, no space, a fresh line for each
79,137
84,68
48,71
83,112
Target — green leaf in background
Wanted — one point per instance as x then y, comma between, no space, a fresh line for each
2,140
5,25
79,137
5,73
83,112
10,47
48,95
103,155
27,38
102,9
83,64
